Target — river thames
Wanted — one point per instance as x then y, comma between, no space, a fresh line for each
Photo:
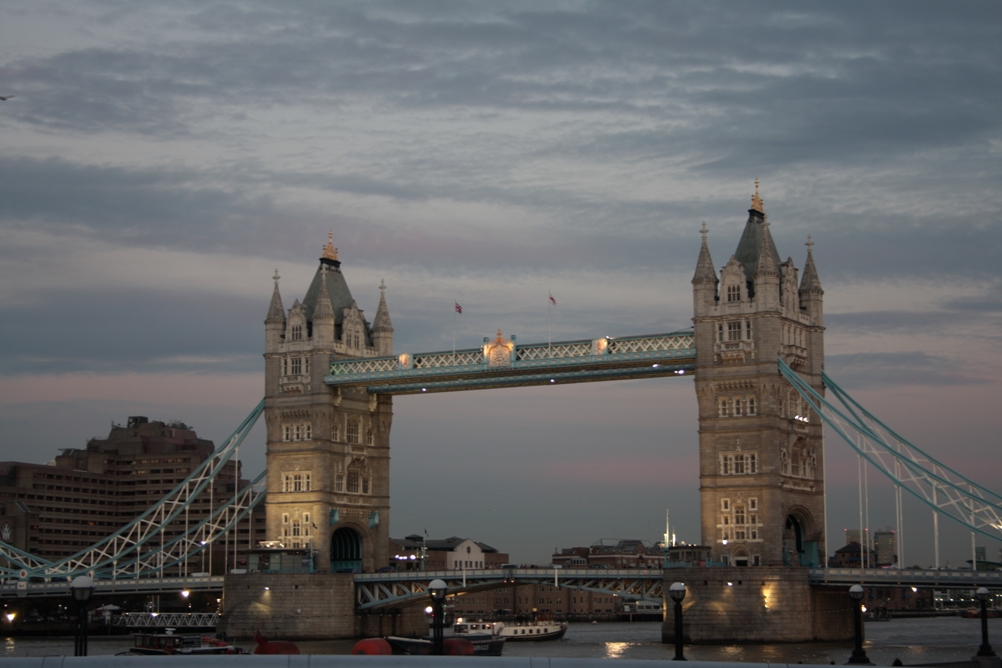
914,641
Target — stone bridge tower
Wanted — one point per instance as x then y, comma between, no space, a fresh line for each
761,448
328,450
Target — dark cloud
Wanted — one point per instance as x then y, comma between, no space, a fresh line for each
132,330
901,369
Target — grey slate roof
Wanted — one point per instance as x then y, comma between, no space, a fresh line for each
337,289
754,238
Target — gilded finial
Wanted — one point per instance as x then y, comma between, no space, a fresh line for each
330,253
756,201
500,338
704,231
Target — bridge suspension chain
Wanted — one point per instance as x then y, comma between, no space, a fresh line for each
946,491
122,553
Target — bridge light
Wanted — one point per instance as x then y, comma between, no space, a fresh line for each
184,593
428,610
552,381
654,366
424,389
267,589
730,584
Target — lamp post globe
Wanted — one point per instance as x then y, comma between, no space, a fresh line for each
437,589
677,593
82,588
985,649
858,654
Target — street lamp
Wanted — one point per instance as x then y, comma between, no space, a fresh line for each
677,593
858,655
437,590
82,588
985,649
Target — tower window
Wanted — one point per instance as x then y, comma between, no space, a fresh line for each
734,331
336,432
751,405
368,437
339,482
353,430
737,407
353,482
296,366
297,332
733,293
722,407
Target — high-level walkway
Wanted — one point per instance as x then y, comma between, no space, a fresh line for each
504,363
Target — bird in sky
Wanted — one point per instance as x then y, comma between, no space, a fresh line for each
7,97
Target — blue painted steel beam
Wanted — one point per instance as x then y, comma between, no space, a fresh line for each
488,380
535,364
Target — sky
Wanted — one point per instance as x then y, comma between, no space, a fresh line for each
160,161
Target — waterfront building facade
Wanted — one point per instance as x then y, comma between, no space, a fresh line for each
761,447
58,509
417,553
327,448
628,553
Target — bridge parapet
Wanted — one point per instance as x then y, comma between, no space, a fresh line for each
926,577
505,364
380,590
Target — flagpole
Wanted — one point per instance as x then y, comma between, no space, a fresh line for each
549,305
454,312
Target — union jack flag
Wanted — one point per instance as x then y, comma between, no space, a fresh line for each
459,309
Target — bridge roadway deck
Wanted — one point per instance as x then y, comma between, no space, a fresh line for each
380,590
374,590
609,358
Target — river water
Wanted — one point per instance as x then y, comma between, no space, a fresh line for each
914,641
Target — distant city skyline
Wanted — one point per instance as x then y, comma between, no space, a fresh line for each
161,161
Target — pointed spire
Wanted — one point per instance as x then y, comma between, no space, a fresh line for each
276,312
766,265
810,282
330,253
705,273
756,201
323,311
382,322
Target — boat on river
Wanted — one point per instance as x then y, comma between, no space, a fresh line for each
170,643
485,637
538,629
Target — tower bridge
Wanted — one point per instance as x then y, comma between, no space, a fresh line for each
756,350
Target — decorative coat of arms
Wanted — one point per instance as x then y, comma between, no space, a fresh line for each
498,352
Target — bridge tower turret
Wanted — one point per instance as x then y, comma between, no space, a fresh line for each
328,449
761,448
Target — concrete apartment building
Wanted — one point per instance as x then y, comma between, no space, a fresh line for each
57,509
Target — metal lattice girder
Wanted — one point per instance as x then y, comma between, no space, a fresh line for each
142,620
60,586
926,577
146,531
535,364
905,464
382,590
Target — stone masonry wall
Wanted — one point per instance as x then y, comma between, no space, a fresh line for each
760,605
305,607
